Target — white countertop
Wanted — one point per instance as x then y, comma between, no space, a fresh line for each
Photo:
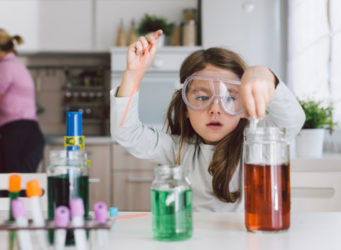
313,231
226,231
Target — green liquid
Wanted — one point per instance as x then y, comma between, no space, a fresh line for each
59,194
172,215
12,234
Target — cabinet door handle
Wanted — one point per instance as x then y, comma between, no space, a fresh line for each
94,180
140,179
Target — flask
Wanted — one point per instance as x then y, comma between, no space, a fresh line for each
266,179
171,197
121,36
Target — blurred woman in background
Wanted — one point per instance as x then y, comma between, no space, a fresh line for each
21,140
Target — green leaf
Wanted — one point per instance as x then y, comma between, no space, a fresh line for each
152,23
318,116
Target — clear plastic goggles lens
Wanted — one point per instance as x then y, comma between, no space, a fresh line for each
198,93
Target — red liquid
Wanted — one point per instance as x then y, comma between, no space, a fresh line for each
267,197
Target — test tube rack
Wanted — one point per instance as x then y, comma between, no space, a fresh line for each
50,225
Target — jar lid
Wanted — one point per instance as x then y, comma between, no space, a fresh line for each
168,171
68,158
265,133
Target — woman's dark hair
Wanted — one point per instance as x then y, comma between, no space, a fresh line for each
228,151
8,43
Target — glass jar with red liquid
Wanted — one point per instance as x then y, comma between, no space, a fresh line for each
266,179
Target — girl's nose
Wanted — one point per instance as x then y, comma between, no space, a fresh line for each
215,108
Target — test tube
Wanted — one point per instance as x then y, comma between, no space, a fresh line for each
77,213
19,212
61,219
33,192
101,216
14,186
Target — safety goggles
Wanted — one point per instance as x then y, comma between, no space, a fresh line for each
198,92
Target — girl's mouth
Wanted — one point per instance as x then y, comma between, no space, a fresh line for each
214,125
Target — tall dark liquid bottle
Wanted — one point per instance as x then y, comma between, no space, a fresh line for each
266,180
68,173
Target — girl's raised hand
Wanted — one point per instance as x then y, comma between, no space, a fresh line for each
257,90
136,51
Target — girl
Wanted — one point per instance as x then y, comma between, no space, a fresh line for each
206,119
21,141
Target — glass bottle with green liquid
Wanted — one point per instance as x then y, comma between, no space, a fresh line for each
68,173
171,198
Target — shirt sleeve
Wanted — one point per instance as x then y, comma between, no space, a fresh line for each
6,77
140,140
284,111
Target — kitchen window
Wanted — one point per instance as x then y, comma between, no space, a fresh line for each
314,56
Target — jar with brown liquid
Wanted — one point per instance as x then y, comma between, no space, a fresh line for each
266,179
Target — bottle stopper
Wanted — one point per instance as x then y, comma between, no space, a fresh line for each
33,189
77,207
113,212
62,216
101,212
14,183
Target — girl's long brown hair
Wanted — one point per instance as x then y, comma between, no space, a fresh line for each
228,151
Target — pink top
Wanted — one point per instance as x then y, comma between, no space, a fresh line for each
17,90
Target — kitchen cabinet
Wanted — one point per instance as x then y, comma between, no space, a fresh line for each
99,171
132,179
54,25
315,184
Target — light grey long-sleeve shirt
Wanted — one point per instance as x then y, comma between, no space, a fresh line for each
155,145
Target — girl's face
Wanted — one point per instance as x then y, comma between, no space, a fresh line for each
213,123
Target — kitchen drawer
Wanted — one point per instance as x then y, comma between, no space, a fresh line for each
166,59
131,191
123,160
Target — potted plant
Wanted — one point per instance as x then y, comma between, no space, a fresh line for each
309,142
151,24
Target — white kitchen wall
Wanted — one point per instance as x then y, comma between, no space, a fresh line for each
259,35
49,25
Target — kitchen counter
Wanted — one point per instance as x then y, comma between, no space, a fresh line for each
59,140
226,231
313,231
